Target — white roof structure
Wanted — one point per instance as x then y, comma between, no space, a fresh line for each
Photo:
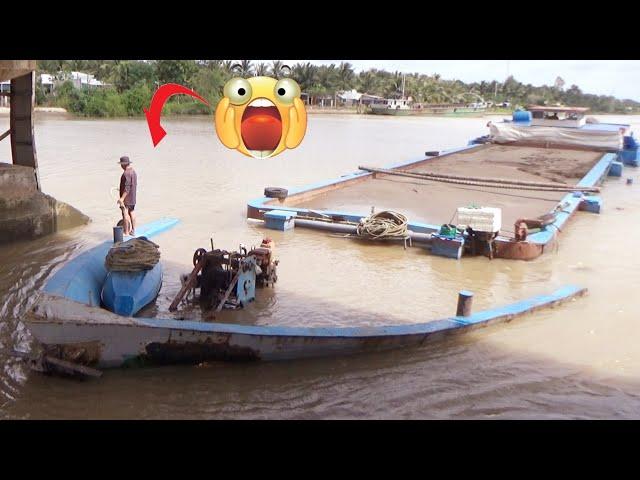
79,78
86,79
350,95
46,79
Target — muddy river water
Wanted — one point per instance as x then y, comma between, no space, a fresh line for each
580,360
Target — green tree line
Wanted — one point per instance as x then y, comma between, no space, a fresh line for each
131,84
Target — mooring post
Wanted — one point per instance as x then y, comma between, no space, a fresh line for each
118,234
465,299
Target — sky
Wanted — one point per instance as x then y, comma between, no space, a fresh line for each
620,78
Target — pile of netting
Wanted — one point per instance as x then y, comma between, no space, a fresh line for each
383,225
134,255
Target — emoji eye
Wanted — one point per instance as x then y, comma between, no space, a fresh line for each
286,90
238,91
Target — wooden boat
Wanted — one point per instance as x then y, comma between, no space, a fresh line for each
125,293
392,106
68,321
401,107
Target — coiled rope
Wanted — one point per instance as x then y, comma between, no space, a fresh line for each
135,255
383,225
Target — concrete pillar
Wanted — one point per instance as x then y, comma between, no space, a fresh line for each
23,148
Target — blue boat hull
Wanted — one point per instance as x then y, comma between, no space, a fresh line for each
66,316
109,340
125,293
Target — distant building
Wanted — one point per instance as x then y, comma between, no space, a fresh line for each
317,100
349,98
354,98
85,80
78,79
367,99
47,82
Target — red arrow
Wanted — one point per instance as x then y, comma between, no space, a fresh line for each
155,109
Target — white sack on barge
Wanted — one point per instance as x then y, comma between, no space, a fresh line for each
557,136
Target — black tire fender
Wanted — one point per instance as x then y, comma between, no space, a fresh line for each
275,192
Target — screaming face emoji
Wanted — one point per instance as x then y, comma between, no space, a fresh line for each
261,116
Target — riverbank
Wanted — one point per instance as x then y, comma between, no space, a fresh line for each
311,110
58,110
4,111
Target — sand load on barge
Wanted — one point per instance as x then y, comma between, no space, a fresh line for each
435,202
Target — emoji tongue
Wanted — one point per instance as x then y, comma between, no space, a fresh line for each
261,128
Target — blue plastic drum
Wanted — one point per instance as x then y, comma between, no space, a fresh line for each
521,116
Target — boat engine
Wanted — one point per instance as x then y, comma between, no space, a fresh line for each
266,263
229,279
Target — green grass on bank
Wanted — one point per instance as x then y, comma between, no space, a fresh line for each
108,102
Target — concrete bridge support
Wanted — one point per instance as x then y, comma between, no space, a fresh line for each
26,212
23,147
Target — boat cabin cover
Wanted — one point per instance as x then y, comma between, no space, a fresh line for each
572,117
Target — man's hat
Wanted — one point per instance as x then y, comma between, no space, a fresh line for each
124,161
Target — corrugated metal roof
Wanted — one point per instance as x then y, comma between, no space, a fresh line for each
350,95
538,108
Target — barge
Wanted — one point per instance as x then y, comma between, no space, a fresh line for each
547,173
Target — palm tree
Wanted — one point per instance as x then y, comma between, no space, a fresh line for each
262,69
276,66
76,65
327,81
120,75
393,86
105,69
227,66
345,72
246,68
304,74
212,64
328,77
367,81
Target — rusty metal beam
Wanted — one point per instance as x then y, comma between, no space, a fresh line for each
22,99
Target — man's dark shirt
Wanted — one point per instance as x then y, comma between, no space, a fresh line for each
129,184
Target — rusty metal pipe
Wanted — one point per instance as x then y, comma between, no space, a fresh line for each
351,229
327,226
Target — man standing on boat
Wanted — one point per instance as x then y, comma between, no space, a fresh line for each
127,200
